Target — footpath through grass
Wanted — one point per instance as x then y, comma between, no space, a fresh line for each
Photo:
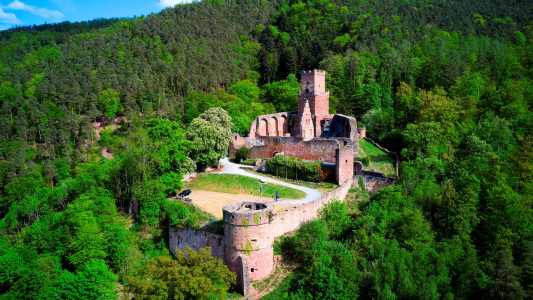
229,183
380,161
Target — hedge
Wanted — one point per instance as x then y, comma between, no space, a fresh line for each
296,168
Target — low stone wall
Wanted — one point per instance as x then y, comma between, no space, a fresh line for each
291,219
196,239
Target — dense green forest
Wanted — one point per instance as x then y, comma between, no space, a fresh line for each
447,84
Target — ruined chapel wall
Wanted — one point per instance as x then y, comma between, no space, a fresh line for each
270,125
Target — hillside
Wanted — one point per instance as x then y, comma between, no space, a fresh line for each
447,84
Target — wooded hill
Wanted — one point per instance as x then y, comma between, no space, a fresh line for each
448,84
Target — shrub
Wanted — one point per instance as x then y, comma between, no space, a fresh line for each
241,153
296,168
364,159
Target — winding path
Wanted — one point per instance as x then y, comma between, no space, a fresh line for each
232,168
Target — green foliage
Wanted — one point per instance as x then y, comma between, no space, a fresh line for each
245,223
210,135
242,153
93,281
190,275
109,103
185,215
295,168
361,183
248,248
453,98
282,94
336,217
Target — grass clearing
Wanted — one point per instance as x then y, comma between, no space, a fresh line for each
380,161
229,183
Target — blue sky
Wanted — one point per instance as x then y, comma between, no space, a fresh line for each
30,12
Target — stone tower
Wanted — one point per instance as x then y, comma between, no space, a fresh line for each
313,85
313,90
249,241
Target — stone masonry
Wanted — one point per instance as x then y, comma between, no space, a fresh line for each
249,231
310,133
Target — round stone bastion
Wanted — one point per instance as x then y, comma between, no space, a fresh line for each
249,239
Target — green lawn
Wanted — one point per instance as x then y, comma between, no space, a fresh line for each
227,183
380,161
323,187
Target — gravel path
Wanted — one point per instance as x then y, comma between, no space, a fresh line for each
232,168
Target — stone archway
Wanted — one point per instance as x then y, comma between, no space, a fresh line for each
283,125
263,127
276,127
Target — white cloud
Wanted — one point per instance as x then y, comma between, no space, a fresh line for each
53,15
172,3
8,18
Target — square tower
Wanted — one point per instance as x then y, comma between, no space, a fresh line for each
313,81
313,84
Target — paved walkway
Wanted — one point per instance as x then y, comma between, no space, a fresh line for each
232,168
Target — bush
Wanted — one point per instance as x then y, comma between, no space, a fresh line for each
295,168
241,153
365,160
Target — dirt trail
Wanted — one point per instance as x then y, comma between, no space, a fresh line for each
99,126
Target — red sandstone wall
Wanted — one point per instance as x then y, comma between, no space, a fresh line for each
196,239
291,219
344,163
236,143
316,149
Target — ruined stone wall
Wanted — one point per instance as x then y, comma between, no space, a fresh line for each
344,126
196,239
316,149
344,163
236,143
271,125
291,219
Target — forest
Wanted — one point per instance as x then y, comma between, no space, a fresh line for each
446,84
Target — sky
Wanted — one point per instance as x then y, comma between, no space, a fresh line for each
37,12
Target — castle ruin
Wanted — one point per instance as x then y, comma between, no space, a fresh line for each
310,133
247,245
